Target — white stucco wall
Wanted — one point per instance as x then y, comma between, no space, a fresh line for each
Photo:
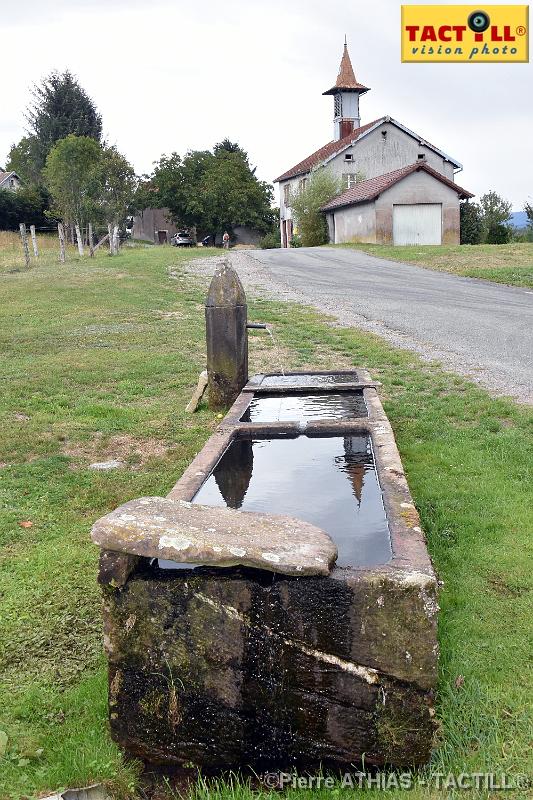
353,224
372,222
375,154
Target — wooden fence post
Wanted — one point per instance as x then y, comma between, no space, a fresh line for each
91,243
115,240
80,240
110,234
61,234
34,241
24,237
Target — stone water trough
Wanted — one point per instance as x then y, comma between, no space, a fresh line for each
278,607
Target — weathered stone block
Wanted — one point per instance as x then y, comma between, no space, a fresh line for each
240,667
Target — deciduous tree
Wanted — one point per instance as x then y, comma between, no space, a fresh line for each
116,182
72,174
306,203
213,191
495,211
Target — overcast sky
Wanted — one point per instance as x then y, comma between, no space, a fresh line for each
179,75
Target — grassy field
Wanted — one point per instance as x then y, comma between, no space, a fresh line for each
511,264
99,359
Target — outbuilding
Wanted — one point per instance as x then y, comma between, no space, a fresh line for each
412,205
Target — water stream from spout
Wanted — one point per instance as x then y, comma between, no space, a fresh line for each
276,346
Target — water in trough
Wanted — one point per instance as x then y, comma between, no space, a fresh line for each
282,407
330,481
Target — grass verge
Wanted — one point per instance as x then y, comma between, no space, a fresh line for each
511,264
101,358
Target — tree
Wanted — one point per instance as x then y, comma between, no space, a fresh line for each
72,174
495,211
116,181
528,208
24,159
59,107
498,233
212,191
321,187
232,195
471,223
176,182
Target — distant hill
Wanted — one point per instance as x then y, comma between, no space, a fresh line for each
518,219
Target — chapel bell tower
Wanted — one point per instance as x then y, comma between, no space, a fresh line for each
346,93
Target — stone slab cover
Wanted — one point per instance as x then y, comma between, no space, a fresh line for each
155,527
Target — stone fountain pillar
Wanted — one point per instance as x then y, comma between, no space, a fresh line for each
227,339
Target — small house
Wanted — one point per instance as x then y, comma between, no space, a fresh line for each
10,181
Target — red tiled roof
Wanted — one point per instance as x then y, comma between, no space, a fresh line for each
372,188
328,150
346,78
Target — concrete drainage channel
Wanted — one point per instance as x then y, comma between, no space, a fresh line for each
279,607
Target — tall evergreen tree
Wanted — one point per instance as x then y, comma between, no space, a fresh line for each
60,107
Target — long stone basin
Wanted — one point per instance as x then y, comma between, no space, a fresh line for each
233,667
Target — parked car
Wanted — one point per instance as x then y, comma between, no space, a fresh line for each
182,239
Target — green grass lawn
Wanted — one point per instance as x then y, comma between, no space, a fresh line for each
99,359
511,264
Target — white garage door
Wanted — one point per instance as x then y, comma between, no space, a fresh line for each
417,224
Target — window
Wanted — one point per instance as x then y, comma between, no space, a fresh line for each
286,194
302,184
338,105
421,156
349,180
348,157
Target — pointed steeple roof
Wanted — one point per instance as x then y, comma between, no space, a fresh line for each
346,80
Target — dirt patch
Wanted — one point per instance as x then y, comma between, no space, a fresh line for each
504,589
133,452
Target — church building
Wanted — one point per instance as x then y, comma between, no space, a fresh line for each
398,188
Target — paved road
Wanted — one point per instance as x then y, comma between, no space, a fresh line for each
477,328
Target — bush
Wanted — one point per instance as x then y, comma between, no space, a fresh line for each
321,186
270,240
296,241
498,233
24,205
471,223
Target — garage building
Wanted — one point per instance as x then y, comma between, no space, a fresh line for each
412,205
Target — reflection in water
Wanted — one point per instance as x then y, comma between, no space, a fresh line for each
286,407
233,481
328,481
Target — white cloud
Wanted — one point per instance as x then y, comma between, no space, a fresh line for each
172,76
